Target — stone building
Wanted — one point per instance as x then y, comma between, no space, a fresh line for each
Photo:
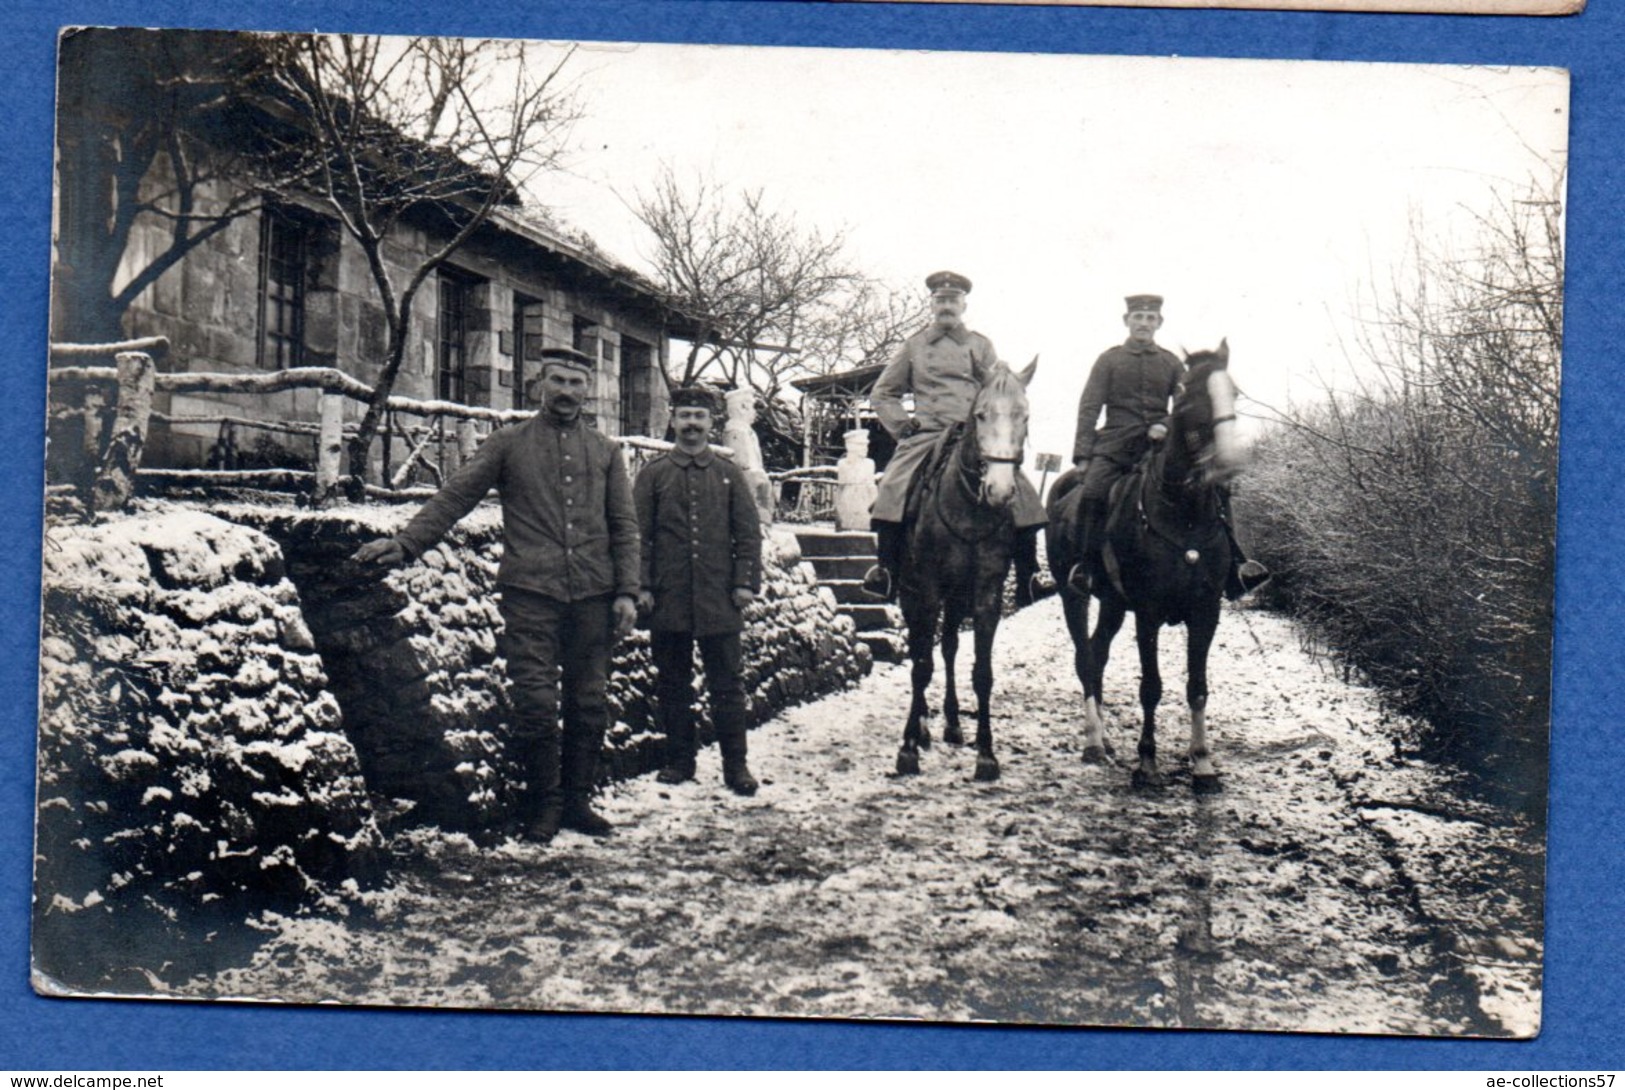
287,288
283,286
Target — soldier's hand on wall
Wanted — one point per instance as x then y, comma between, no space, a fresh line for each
384,552
1157,432
646,603
626,615
743,596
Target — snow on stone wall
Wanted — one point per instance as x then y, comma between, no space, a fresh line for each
412,656
191,757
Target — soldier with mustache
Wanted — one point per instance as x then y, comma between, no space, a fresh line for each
702,567
569,583
943,366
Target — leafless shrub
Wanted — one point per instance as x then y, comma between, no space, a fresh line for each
1412,522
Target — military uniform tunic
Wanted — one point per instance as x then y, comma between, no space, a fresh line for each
1134,383
944,370
702,540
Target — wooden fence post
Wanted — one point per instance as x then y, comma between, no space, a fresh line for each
329,446
91,442
115,477
468,440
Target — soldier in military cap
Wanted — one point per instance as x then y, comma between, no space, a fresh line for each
944,366
569,583
1135,383
702,566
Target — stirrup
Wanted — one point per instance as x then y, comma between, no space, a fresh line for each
1078,581
1252,575
877,581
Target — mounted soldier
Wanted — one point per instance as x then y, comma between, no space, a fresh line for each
944,366
1134,383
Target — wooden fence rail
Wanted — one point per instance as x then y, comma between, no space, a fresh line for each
89,392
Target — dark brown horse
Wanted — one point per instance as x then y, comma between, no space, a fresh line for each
957,556
1165,558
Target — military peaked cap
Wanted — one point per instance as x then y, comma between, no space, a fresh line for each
948,281
1144,302
697,397
568,357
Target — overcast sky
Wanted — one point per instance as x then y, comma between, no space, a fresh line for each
1258,196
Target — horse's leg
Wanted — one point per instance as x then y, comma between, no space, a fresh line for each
1200,630
951,619
987,624
1096,746
922,626
1146,627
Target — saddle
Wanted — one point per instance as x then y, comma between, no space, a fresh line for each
942,451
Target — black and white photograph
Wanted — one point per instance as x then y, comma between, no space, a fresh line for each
800,533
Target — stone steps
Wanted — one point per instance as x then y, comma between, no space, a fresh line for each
840,558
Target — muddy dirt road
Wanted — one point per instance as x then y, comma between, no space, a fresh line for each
1334,885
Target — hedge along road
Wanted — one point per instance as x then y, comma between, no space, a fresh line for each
1334,885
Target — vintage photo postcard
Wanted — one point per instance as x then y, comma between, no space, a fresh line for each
614,527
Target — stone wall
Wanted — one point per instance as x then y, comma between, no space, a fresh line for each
226,703
191,759
412,657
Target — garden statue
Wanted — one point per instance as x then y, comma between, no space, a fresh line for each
855,489
738,435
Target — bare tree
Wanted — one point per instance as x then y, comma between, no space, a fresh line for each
387,130
148,121
775,298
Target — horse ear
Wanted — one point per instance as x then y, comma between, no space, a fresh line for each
1026,373
1224,350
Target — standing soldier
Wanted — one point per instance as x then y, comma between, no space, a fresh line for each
569,583
943,366
1135,383
702,565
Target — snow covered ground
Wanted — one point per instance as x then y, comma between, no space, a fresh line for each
1335,885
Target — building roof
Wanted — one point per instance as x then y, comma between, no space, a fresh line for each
854,383
581,254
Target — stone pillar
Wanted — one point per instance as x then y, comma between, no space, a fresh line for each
855,489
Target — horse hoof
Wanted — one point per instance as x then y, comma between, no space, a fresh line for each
1207,785
953,735
908,762
1094,755
1142,778
987,769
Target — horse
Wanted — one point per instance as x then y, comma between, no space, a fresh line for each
957,553
1166,554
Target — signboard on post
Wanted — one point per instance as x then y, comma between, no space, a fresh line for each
1047,464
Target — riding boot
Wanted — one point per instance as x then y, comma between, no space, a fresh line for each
678,725
1092,517
1031,584
580,776
1245,575
731,741
544,799
880,580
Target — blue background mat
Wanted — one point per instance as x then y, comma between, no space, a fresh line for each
1585,959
